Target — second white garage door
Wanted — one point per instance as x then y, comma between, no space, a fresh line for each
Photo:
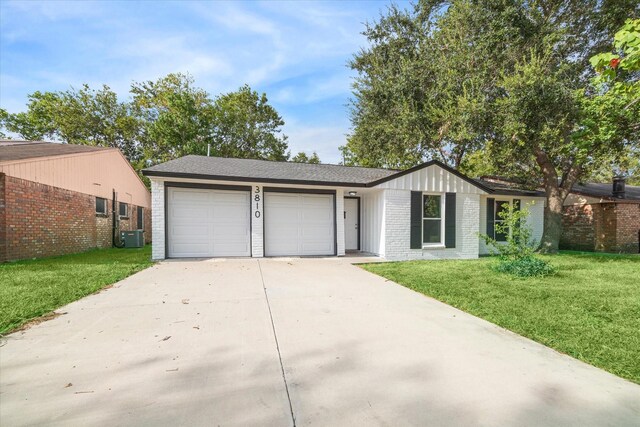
208,223
299,224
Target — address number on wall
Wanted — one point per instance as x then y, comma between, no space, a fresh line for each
256,198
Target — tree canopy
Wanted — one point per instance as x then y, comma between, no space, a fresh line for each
500,86
303,157
162,120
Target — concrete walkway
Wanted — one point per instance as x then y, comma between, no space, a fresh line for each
248,342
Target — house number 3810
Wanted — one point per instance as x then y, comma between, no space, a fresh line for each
256,198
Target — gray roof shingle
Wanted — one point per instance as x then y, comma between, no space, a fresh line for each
11,150
605,190
230,169
266,170
509,189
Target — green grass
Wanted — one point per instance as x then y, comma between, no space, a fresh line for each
30,289
590,309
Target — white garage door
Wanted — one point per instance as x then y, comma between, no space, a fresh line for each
208,223
299,224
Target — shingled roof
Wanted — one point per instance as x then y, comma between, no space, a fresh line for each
506,188
602,190
229,169
15,150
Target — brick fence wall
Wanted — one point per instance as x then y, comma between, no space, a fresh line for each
38,220
602,227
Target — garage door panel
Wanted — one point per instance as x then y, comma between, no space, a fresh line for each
192,212
299,224
208,223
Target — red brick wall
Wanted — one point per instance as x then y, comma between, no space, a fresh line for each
3,215
38,220
602,227
628,227
578,229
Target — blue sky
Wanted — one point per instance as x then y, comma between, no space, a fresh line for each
296,52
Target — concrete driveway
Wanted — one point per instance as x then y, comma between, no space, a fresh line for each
248,342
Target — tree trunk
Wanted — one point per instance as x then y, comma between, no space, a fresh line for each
552,224
556,192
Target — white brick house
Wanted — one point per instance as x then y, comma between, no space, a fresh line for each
217,207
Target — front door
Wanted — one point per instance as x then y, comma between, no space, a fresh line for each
351,224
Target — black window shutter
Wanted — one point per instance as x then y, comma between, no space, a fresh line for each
450,220
416,220
491,206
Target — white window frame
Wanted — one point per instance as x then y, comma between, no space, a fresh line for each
442,216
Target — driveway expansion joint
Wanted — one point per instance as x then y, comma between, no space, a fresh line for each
275,337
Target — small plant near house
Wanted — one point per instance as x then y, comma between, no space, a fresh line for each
517,253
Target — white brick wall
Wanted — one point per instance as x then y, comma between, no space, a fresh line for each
397,228
257,221
157,219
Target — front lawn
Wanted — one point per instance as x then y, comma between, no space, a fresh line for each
29,289
590,309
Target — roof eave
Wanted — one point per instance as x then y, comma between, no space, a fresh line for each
160,174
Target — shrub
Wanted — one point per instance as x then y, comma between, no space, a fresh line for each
529,266
516,255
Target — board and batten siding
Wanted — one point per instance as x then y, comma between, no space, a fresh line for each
372,227
431,179
535,220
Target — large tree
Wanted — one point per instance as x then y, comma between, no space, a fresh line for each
247,126
164,119
79,116
501,82
176,117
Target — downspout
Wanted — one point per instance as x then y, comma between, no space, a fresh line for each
113,218
115,222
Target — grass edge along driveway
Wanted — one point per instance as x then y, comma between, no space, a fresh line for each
589,310
32,288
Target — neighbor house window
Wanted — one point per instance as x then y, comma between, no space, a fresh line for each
101,206
140,218
431,219
123,210
501,206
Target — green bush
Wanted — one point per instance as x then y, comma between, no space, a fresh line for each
516,255
529,266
